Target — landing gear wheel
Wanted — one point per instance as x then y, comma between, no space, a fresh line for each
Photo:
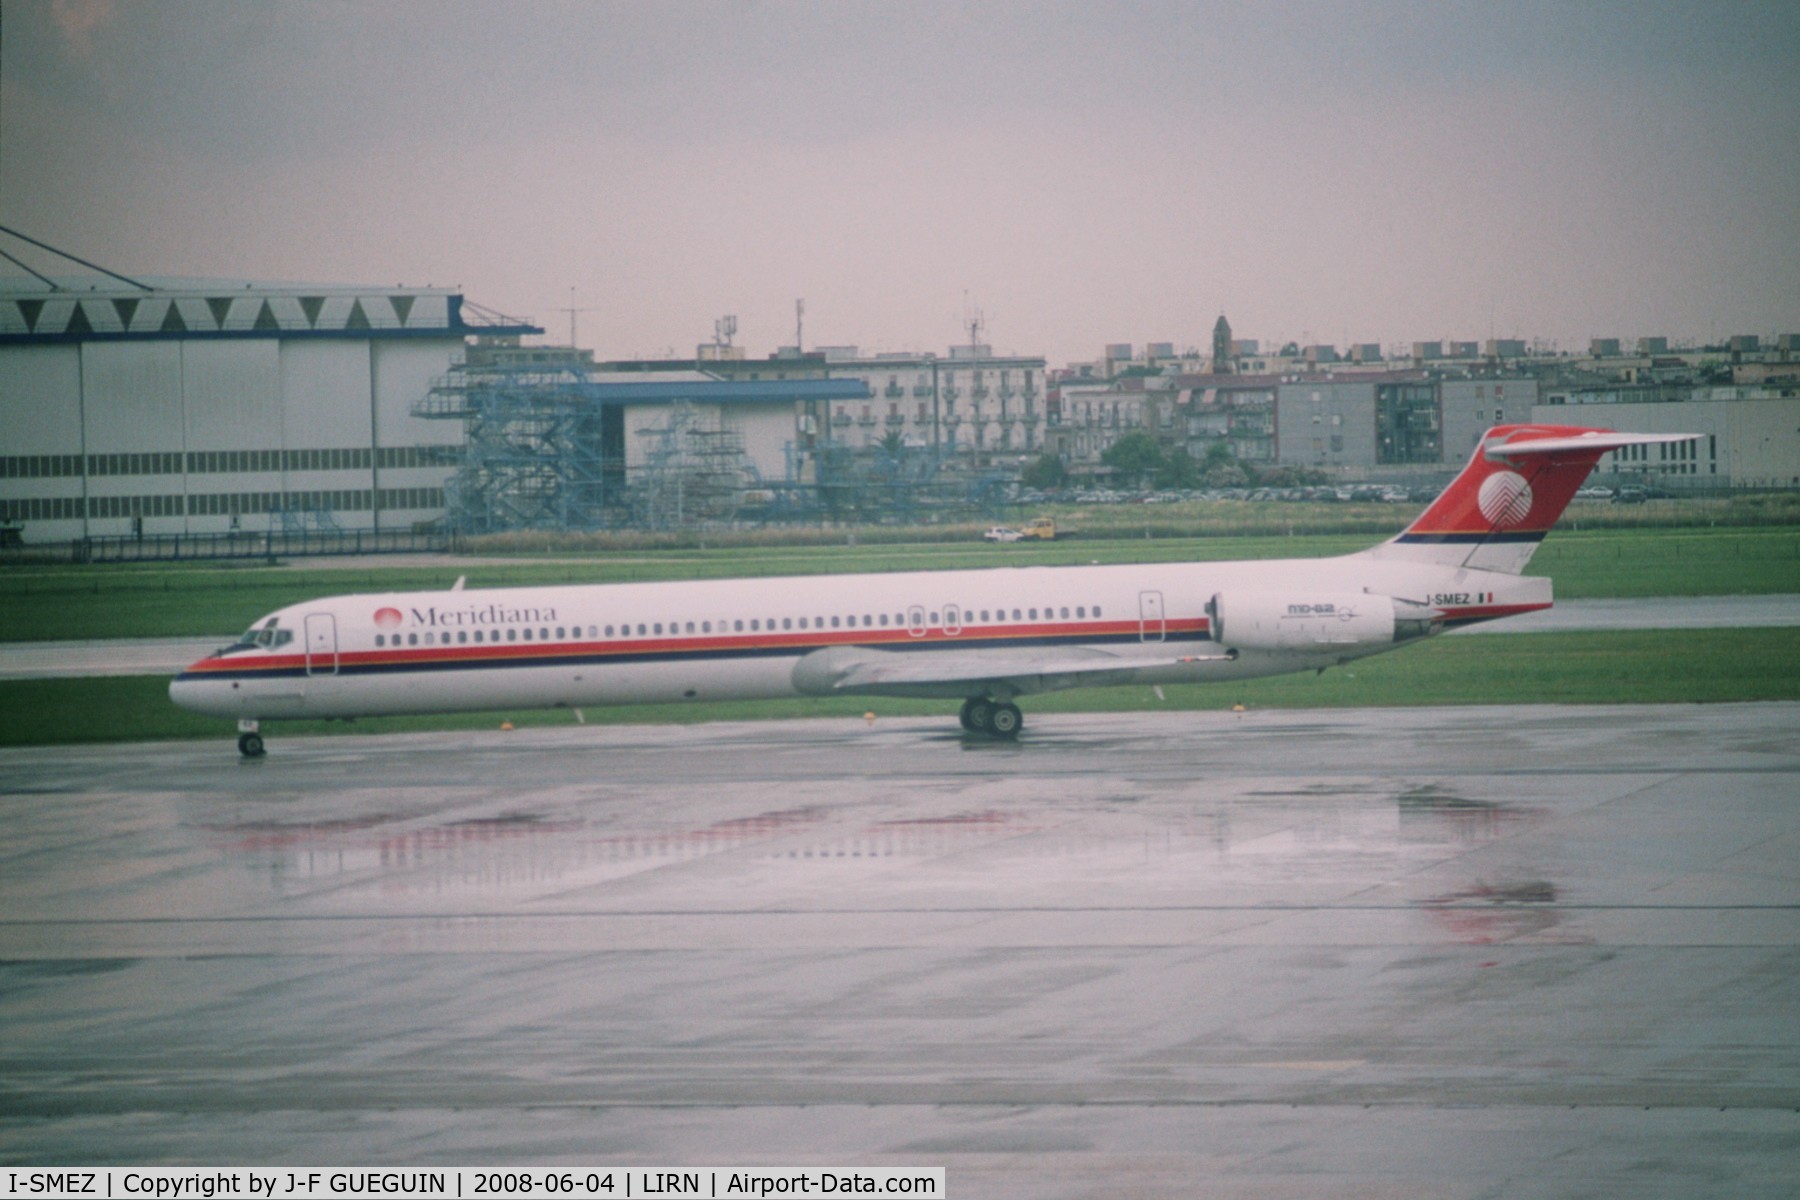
978,715
1006,721
250,745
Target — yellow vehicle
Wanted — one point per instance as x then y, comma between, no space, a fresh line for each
1041,528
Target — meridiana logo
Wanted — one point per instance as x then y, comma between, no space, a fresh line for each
387,618
1505,499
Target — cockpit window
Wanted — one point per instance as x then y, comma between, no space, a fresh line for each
267,636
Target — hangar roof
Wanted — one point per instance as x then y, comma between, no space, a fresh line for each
473,395
93,308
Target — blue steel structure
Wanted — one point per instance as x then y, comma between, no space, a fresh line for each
545,445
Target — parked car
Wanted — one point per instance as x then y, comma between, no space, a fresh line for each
1001,533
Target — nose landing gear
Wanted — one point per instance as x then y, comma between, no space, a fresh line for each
250,743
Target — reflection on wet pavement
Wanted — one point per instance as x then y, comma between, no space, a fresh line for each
1273,951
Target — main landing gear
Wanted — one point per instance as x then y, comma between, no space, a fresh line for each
250,743
1001,718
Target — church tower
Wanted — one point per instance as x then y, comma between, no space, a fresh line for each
1221,356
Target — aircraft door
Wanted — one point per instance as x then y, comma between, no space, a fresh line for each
321,644
915,620
952,619
1150,617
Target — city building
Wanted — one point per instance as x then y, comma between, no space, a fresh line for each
969,403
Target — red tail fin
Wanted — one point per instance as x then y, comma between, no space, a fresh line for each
1515,486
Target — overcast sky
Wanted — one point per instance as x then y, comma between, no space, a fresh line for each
1083,173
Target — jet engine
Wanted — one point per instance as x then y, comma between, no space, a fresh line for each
1302,621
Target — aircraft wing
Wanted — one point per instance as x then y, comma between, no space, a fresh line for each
955,671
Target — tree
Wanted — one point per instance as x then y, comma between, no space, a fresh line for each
1226,475
1219,455
1133,456
1177,470
1046,473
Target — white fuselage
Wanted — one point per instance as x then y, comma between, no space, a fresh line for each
1005,632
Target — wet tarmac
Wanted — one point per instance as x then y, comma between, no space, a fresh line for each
1485,952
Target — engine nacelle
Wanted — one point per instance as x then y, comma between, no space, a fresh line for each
1302,621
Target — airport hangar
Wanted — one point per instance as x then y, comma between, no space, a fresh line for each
163,407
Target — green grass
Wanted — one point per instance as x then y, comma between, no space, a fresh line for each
206,600
1644,667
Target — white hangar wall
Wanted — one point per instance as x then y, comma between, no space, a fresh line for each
38,385
249,411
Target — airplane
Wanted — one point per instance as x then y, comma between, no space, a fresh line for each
984,637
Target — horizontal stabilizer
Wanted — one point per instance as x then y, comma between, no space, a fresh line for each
1594,441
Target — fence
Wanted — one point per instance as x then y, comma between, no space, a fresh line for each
194,547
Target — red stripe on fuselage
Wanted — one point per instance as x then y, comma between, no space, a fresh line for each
798,641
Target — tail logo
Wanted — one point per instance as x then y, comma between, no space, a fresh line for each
1505,499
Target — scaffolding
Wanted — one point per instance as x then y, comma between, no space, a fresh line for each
539,452
694,473
545,447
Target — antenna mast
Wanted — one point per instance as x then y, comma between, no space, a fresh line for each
976,322
572,310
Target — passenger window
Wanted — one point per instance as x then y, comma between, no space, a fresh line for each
884,618
834,623
1081,611
755,624
738,625
1033,614
690,627
787,622
641,631
1017,616
609,631
1065,614
706,627
528,635
560,633
462,637
380,640
1096,610
512,635
803,622
478,635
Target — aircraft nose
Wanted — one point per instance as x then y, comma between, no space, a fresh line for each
199,694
